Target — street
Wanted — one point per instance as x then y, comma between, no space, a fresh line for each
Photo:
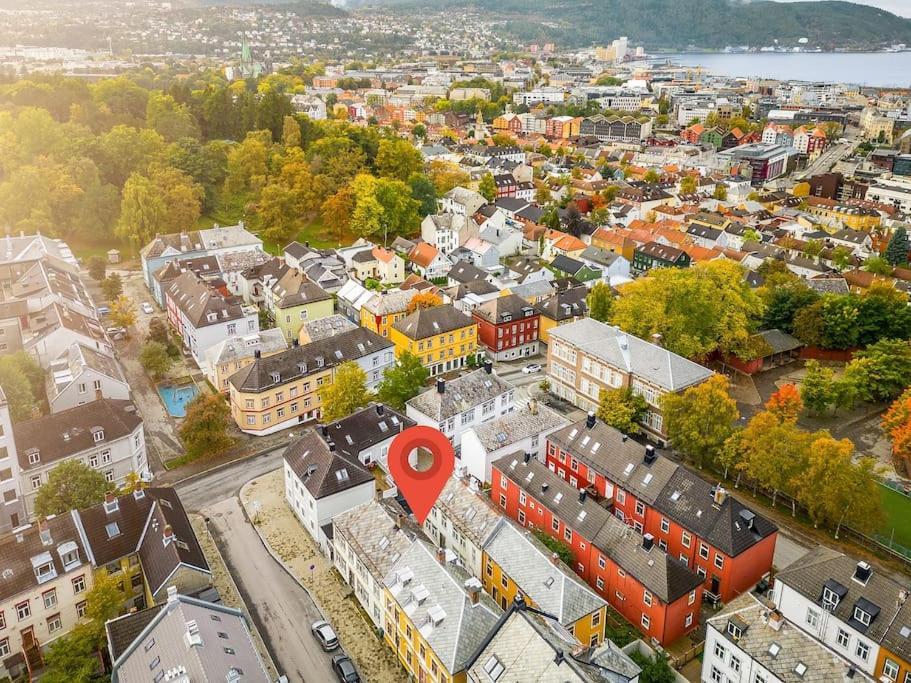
282,610
221,483
825,161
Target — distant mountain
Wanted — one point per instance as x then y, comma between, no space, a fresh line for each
688,23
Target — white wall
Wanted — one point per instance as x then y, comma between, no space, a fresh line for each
82,390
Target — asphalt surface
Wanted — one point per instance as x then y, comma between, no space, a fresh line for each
282,610
225,481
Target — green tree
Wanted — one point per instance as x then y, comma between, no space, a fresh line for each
124,150
402,382
205,429
701,419
688,185
142,211
247,164
291,132
651,176
419,131
818,388
398,159
774,452
123,311
71,485
721,192
155,359
17,379
487,188
383,206
271,110
654,670
882,371
783,302
878,266
170,119
883,314
600,302
346,393
622,409
97,267
897,250
112,287
423,191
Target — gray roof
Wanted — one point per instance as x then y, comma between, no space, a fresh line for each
826,567
538,288
463,272
365,428
322,328
202,304
780,341
428,322
510,307
564,305
375,536
459,395
517,425
602,257
666,577
794,646
390,301
468,512
163,643
551,586
322,470
631,354
451,625
241,347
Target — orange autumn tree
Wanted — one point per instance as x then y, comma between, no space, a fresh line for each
897,424
785,404
424,300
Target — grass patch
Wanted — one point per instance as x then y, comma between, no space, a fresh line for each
316,234
897,511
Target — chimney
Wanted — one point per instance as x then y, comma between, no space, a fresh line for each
719,494
554,558
533,406
295,343
331,444
488,366
775,620
648,541
172,594
657,339
257,354
582,495
441,386
110,502
544,487
380,409
441,555
473,588
526,458
650,455
590,419
624,437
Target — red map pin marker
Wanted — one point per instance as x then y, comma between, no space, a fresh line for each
421,489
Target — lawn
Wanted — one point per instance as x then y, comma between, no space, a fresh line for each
897,510
316,234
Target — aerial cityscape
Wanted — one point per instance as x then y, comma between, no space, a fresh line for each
455,342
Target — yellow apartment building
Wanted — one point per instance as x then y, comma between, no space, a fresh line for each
442,337
386,308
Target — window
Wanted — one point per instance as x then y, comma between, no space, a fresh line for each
735,664
521,517
36,482
665,526
568,535
685,539
98,435
720,652
4,647
640,508
493,668
601,562
862,650
50,598
105,457
109,475
621,496
829,599
54,624
23,610
555,524
2,621
80,609
719,561
692,598
843,638
521,497
647,598
645,622
717,676
78,585
688,621
599,583
503,501
890,669
812,618
862,616
703,551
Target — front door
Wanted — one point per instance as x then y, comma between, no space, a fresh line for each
28,638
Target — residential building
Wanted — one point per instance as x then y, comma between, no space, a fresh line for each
615,128
145,540
852,608
448,231
236,353
185,639
428,261
516,563
442,337
587,356
457,405
749,642
321,483
562,308
281,391
322,328
436,615
366,542
462,202
366,434
12,512
385,308
837,214
762,162
104,434
203,316
728,545
378,264
524,429
291,299
54,329
83,374
654,591
528,644
508,327
42,598
658,255
350,299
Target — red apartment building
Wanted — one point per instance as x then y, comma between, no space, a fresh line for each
508,326
506,185
728,545
652,590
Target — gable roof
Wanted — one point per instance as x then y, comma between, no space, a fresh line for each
427,322
321,468
460,394
201,304
366,427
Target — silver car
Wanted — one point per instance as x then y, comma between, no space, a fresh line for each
324,634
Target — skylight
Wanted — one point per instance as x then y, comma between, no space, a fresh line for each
113,529
774,649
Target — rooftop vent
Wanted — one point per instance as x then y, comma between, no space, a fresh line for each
862,572
648,541
650,454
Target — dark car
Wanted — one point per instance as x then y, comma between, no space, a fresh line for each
344,669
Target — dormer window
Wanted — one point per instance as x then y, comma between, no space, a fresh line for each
832,594
861,616
97,434
34,456
69,555
43,565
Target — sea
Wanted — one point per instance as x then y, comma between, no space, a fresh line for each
876,69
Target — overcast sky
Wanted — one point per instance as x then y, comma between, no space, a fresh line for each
899,7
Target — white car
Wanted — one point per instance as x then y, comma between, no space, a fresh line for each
147,308
532,368
324,634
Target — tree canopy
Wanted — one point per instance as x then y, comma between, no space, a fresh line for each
71,485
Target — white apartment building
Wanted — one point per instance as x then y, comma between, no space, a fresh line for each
11,512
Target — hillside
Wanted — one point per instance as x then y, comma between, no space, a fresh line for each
685,23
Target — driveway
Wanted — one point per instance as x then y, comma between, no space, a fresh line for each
281,609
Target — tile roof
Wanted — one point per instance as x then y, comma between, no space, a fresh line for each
322,328
389,301
423,254
374,533
516,425
465,272
460,394
469,512
631,354
242,347
451,625
566,304
503,309
321,468
200,303
300,361
365,428
427,322
60,435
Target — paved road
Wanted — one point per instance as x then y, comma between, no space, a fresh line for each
282,610
224,482
825,161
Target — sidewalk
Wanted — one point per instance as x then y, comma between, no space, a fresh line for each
264,503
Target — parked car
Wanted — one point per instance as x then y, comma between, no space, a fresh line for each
147,308
103,310
116,333
531,368
323,633
344,669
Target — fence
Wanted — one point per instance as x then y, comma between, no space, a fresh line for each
681,660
